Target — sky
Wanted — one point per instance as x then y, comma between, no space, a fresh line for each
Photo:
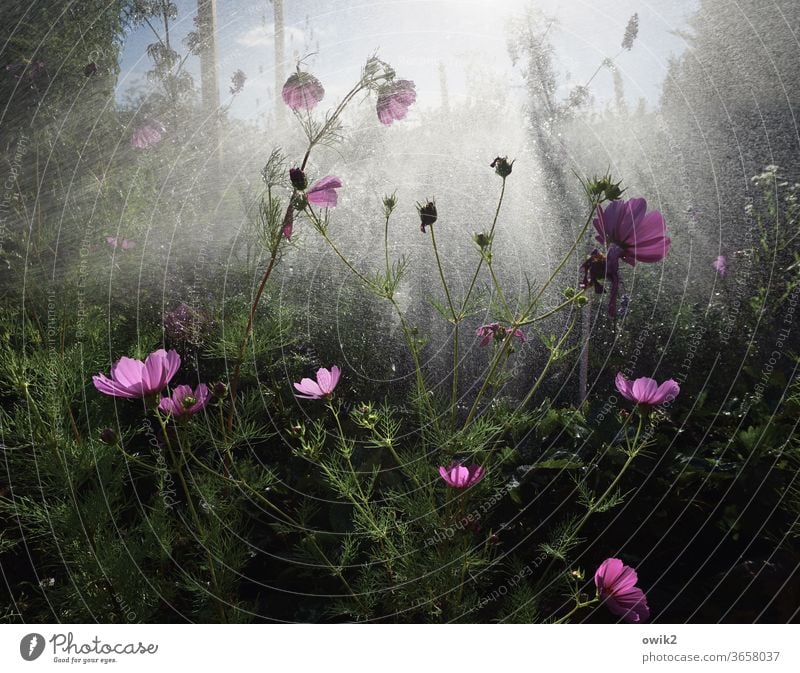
422,37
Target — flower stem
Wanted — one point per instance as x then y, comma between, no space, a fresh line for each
234,384
480,262
178,465
578,606
567,256
455,319
595,506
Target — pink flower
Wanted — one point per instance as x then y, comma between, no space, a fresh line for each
116,242
629,233
302,91
459,476
646,391
322,387
496,331
184,402
146,136
323,192
720,265
616,587
288,223
136,379
394,99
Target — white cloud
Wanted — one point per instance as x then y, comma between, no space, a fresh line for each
264,36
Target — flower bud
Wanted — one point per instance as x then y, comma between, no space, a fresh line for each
296,430
578,574
389,203
220,390
502,166
298,178
482,240
108,436
427,214
604,189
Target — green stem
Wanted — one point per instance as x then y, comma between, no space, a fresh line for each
594,506
578,606
249,328
386,248
421,389
454,318
480,262
193,512
553,310
566,257
493,367
499,290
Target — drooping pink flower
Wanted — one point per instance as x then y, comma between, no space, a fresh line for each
321,388
461,476
646,391
136,379
288,223
720,265
629,233
394,99
302,91
616,587
116,242
496,331
323,192
184,402
146,136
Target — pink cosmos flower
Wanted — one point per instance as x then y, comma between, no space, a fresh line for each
136,379
302,91
629,233
322,387
394,99
116,242
646,391
616,587
146,136
460,476
496,331
184,402
720,265
323,192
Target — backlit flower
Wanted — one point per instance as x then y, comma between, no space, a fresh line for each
184,401
323,192
720,265
394,99
616,587
146,136
646,391
629,233
302,91
496,331
461,476
136,379
322,387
